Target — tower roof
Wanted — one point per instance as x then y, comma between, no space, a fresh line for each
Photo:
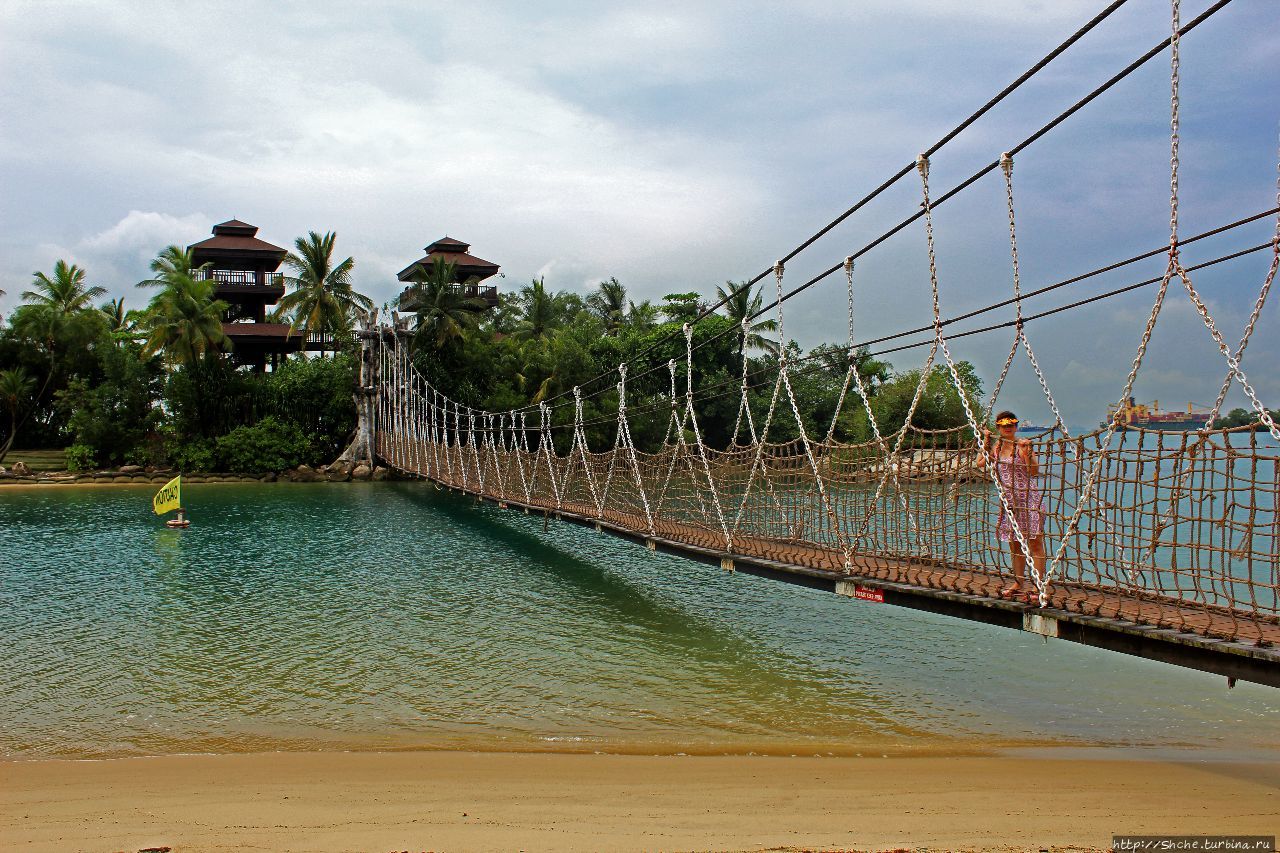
454,252
234,242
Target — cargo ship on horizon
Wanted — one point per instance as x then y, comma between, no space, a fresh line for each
1142,416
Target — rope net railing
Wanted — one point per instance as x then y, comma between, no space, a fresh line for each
1183,533
1175,530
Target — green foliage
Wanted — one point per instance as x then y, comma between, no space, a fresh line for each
609,303
53,347
681,307
315,395
184,321
65,292
322,299
188,454
16,387
80,374
210,398
543,312
267,446
939,407
443,313
113,415
1244,417
81,457
740,304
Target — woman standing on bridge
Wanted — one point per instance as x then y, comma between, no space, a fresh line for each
1017,469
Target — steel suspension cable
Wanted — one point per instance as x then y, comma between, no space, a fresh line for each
909,167
995,164
995,306
732,384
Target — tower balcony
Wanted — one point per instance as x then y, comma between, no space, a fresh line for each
488,294
266,287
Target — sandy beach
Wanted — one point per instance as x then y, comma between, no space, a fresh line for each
502,801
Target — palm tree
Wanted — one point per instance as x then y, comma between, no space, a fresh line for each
65,292
122,324
740,304
173,262
185,321
443,312
643,315
15,388
322,299
117,317
609,303
541,313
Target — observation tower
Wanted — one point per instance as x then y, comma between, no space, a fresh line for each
469,272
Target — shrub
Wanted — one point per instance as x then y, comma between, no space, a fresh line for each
111,415
80,457
193,455
267,446
314,394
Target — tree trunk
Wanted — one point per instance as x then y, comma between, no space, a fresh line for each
366,382
13,433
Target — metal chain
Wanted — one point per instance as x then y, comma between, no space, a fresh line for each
697,435
1172,269
624,435
580,441
885,457
744,406
1175,63
922,165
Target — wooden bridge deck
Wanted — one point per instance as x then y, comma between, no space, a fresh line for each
1142,624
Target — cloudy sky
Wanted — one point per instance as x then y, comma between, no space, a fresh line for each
674,146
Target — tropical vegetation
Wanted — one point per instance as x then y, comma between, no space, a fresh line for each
159,384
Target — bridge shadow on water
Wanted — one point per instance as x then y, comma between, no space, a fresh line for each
686,627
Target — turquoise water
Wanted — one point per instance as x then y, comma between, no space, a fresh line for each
391,615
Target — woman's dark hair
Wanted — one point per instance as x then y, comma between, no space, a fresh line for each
1005,414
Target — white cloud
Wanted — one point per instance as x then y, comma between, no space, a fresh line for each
671,145
144,231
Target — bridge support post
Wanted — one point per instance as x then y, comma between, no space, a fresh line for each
365,388
1038,623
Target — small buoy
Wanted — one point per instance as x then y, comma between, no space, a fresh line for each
180,522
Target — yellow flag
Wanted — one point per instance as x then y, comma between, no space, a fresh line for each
169,497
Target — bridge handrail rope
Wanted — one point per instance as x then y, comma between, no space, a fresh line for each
697,435
814,364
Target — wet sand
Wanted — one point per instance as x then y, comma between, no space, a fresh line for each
421,801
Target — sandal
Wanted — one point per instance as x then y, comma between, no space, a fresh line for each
1009,592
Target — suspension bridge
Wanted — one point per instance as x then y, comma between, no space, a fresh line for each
1155,544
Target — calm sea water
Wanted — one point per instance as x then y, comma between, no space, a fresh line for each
392,615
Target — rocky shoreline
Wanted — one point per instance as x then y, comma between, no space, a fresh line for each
338,472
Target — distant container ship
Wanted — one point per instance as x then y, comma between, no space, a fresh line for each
1142,416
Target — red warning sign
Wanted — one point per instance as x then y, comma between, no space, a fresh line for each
868,593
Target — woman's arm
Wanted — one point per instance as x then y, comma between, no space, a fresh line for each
1033,464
